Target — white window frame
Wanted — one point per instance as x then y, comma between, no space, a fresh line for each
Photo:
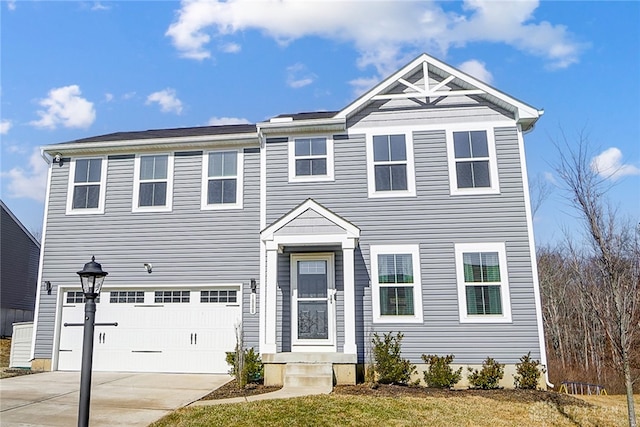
411,172
239,182
493,161
136,185
103,187
505,317
311,178
414,251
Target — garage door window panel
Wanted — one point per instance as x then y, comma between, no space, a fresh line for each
172,296
218,296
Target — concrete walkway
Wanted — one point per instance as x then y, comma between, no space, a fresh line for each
283,393
117,399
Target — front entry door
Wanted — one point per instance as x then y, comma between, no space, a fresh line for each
313,302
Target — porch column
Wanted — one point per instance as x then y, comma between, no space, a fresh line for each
349,281
270,297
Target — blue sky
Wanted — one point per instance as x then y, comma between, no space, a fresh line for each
76,69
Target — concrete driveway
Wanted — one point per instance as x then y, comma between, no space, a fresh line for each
131,399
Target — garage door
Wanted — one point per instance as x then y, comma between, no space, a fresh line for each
157,330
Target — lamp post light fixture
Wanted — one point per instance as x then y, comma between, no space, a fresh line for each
91,277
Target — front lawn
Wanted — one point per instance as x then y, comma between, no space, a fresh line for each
493,408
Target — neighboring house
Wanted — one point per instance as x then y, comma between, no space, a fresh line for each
19,256
408,210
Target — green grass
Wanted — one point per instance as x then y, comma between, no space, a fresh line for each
343,410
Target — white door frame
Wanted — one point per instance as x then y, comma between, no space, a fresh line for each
300,345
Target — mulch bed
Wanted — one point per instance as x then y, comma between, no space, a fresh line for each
524,396
231,389
14,372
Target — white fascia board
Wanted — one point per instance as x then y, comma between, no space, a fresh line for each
351,230
297,126
366,97
174,143
523,111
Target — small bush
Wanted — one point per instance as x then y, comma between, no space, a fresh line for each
252,370
528,373
389,367
488,377
439,374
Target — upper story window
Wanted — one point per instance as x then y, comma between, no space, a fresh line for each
397,290
483,288
86,193
311,159
222,180
153,183
472,162
390,165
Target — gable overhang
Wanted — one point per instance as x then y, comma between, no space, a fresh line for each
525,115
153,144
283,126
347,237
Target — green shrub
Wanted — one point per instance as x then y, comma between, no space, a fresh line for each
439,374
248,370
528,373
488,377
389,367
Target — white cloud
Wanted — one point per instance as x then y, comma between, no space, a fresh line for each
477,69
5,125
167,100
548,176
11,5
608,165
218,121
298,76
108,97
30,183
99,6
385,33
129,95
64,106
231,48
363,84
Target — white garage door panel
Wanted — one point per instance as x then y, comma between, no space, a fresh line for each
171,337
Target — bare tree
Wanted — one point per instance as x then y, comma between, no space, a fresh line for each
607,265
539,191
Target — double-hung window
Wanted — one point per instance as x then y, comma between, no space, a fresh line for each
222,180
86,192
472,162
390,165
311,159
397,291
153,183
483,288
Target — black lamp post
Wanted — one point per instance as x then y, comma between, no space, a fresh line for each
91,277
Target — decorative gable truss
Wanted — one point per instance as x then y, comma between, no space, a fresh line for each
429,80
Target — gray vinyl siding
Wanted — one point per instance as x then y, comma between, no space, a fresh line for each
19,257
436,221
187,246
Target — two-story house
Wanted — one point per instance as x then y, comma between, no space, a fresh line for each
19,255
408,210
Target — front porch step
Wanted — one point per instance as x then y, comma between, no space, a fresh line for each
309,375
